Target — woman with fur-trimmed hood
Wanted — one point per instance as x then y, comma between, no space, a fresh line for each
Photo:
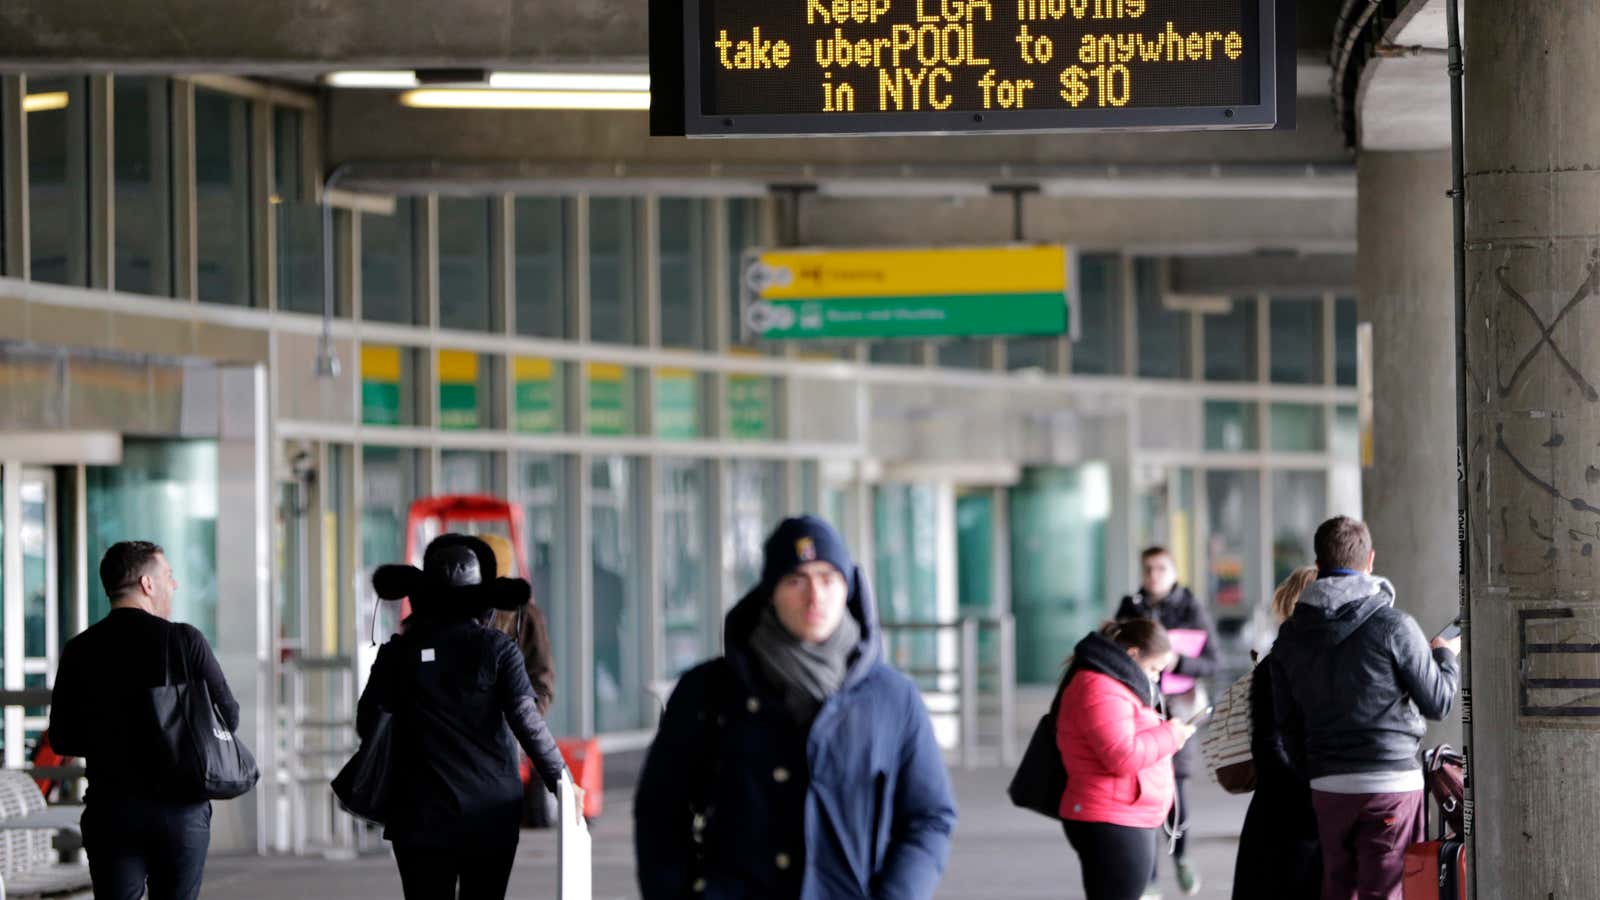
461,702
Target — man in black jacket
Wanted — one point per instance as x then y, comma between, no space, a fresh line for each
1163,599
137,828
1352,680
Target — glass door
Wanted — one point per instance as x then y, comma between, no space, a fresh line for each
30,638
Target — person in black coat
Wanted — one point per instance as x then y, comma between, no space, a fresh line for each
461,702
1163,599
1280,856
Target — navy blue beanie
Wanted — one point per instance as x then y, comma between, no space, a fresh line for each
798,541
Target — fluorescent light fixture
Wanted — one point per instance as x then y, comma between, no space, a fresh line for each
458,98
364,79
569,81
45,102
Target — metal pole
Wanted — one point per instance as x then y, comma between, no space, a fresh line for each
1458,199
969,693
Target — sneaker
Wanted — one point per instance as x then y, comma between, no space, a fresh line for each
1188,878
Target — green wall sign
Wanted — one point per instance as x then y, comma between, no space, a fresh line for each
677,404
537,396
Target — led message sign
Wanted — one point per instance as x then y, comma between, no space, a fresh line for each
770,67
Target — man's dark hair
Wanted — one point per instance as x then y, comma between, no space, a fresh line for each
1155,551
1343,543
125,563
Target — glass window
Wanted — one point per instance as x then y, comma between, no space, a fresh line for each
1296,340
1231,343
744,233
683,272
391,480
1345,442
687,588
1299,505
143,160
1163,333
1037,353
541,489
905,570
539,395
58,179
468,390
389,264
164,491
1098,350
1233,558
1297,428
964,354
389,391
678,393
1166,514
1232,425
224,225
613,279
541,248
895,353
299,224
1345,318
465,263
619,677
468,472
754,488
752,407
611,400
1059,522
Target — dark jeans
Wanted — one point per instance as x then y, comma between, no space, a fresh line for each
432,873
132,843
1364,841
1115,859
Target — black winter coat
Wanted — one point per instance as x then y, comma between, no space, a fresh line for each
1182,609
1280,856
859,807
461,701
1353,679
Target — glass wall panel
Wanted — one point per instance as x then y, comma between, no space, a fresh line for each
752,413
143,164
1345,442
1163,333
467,472
619,676
1299,505
895,353
1296,324
612,399
1298,428
684,251
58,179
1233,559
1098,350
677,395
389,264
541,248
541,491
905,572
964,354
300,280
1168,517
391,479
753,511
1231,343
1345,319
1038,353
466,258
469,390
539,395
613,276
1232,426
164,491
390,378
37,493
224,225
1059,522
744,233
687,585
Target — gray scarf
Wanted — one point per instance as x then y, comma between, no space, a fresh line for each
805,673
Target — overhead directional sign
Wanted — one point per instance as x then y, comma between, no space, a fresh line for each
932,292
766,67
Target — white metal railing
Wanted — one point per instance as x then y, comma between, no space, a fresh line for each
955,678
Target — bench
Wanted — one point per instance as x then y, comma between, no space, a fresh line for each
29,863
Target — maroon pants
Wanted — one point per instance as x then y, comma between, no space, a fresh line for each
1364,841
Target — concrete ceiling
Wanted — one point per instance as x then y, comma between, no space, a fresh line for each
1403,102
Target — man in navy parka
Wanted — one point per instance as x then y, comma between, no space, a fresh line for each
798,765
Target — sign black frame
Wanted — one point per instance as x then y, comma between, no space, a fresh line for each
675,102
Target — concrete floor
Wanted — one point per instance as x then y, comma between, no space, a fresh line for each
1000,853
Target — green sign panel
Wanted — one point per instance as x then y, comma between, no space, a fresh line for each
750,407
677,404
610,413
380,385
936,292
537,396
458,390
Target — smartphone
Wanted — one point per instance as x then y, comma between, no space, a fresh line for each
1449,632
1199,717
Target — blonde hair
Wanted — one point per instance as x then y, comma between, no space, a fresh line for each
505,563
1288,594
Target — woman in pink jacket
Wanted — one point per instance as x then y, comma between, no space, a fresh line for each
1118,751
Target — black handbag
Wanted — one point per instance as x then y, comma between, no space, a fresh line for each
1041,777
204,758
362,786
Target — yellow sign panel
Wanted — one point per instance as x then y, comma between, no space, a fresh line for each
532,368
380,363
458,367
831,274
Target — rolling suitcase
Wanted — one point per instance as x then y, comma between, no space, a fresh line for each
1436,870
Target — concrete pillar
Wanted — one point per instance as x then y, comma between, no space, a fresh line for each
1533,269
1406,278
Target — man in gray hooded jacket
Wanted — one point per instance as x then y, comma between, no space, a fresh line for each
1353,679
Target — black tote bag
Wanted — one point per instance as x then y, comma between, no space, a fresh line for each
205,759
362,786
1041,777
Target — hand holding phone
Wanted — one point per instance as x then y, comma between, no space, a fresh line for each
1449,632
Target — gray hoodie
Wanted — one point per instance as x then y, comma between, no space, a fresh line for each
1353,679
